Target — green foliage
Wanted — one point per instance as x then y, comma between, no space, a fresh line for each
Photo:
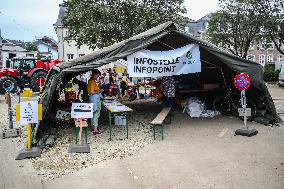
102,23
32,47
273,25
270,75
241,22
235,26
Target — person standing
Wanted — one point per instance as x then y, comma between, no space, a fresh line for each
168,86
123,84
94,92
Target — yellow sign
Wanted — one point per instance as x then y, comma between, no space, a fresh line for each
27,93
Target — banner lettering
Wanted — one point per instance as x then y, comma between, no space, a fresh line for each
147,63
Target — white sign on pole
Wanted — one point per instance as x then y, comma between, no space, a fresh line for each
28,112
82,110
244,111
147,63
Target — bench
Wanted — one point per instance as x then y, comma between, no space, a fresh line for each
160,120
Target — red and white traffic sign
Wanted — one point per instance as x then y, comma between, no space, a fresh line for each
242,81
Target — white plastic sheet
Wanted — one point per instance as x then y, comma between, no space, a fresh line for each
195,108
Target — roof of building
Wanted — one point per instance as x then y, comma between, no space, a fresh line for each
13,45
204,18
14,42
62,12
45,40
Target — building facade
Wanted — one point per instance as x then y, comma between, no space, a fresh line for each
47,47
199,27
67,49
264,52
14,48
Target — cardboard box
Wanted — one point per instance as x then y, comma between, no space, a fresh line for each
120,120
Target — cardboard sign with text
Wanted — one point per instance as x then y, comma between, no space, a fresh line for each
82,110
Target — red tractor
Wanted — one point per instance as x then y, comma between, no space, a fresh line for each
24,71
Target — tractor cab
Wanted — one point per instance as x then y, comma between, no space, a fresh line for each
23,65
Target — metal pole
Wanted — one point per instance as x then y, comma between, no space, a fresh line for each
29,135
244,103
86,135
126,116
10,110
19,96
145,87
109,124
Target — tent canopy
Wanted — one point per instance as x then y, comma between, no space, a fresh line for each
161,38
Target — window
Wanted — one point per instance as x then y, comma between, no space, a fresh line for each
251,45
251,57
280,58
70,56
81,55
67,33
206,25
269,44
24,64
260,45
261,59
269,58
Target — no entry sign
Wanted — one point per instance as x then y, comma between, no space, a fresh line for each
242,81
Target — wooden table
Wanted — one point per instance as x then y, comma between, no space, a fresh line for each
115,108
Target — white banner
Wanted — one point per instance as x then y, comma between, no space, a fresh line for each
147,63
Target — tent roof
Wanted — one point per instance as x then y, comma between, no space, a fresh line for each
122,49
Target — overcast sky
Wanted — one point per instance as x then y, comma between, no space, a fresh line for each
26,19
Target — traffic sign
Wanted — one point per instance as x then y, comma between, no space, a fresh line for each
242,81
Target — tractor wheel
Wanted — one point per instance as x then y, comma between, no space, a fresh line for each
8,83
38,81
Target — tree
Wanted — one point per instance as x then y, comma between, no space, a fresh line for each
32,47
235,26
273,13
99,23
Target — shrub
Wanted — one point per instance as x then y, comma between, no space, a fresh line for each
270,75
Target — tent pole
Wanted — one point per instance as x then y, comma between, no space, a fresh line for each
166,44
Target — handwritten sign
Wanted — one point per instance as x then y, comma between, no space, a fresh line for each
28,112
82,110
